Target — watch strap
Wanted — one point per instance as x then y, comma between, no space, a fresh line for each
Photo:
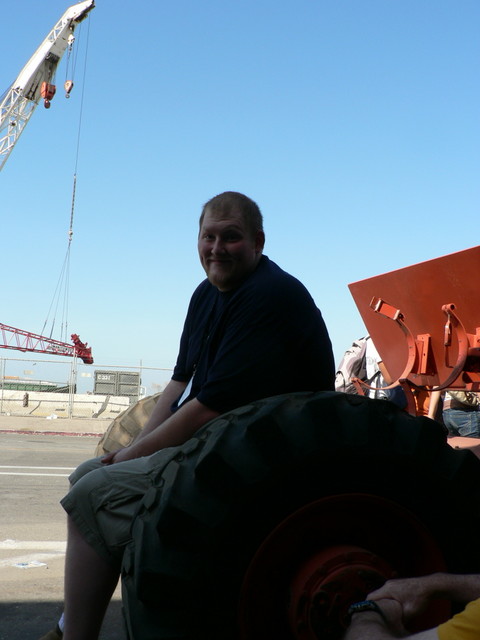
365,605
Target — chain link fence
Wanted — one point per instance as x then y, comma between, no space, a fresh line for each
68,388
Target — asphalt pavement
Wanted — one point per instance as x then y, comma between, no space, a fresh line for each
34,469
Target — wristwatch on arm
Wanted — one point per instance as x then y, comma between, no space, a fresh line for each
365,605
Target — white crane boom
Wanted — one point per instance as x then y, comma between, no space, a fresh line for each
35,79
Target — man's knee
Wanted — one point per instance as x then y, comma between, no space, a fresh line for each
84,468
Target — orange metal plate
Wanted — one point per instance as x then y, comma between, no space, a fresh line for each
419,292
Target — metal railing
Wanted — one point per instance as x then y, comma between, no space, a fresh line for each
27,388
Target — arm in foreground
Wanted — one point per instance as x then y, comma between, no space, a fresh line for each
370,625
415,593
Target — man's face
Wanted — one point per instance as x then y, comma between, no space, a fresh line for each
228,251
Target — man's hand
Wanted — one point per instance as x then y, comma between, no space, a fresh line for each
137,449
394,614
109,458
119,456
174,431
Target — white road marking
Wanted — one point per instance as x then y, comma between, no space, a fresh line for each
25,473
11,466
46,545
46,550
44,475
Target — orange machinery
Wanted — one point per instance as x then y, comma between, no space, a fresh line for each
425,322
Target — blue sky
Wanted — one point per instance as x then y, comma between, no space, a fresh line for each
354,125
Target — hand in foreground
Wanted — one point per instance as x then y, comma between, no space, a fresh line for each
411,593
393,612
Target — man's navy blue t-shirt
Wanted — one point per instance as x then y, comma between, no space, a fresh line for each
264,338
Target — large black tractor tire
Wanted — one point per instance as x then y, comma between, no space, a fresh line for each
224,543
126,426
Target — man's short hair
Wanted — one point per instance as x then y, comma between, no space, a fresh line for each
230,201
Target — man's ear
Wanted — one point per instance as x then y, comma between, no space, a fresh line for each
259,241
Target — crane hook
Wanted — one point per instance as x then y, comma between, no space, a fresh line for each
68,87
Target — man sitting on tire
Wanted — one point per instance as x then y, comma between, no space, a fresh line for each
251,331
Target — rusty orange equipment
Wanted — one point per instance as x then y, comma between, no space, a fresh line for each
425,322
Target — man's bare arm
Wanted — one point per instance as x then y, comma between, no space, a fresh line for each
371,625
162,410
415,593
175,430
367,626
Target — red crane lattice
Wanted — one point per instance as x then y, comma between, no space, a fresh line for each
12,338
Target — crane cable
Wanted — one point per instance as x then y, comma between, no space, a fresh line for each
64,278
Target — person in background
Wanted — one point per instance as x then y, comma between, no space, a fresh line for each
363,361
461,413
